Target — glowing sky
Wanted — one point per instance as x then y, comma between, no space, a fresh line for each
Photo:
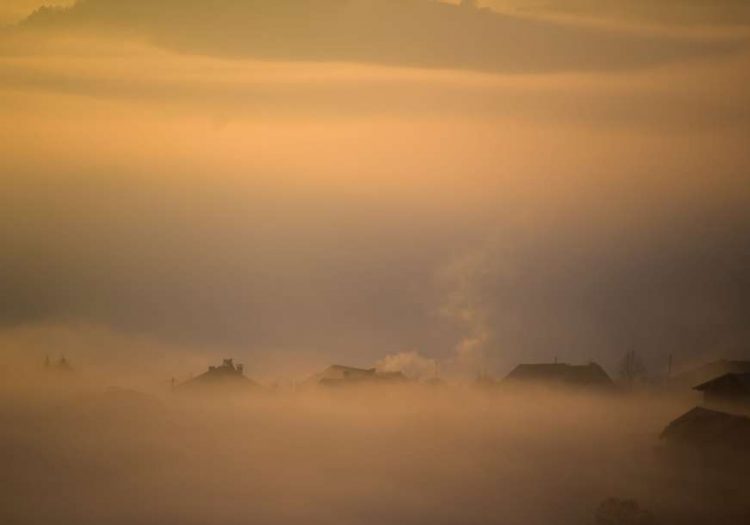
298,182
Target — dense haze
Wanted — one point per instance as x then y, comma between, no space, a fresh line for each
161,183
414,185
411,454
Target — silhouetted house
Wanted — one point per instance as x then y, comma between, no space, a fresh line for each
338,375
227,376
726,389
709,371
705,428
559,374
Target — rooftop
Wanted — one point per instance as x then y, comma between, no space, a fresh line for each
590,374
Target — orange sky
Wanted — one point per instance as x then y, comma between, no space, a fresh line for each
166,182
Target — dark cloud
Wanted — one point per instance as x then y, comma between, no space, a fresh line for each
417,33
677,287
356,280
690,12
219,265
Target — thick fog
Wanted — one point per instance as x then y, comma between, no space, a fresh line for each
436,188
76,452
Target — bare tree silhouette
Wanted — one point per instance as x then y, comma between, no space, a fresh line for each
631,367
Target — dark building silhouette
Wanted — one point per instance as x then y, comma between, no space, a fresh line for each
705,428
730,389
709,371
339,375
559,374
226,376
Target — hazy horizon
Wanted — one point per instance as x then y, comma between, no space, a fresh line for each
435,188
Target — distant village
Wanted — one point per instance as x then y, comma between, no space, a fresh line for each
720,421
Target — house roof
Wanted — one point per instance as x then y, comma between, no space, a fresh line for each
590,374
226,375
739,382
336,374
344,372
351,370
709,428
709,371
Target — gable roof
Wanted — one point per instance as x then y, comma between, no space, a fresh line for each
339,374
344,372
709,371
591,374
226,375
709,428
737,382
